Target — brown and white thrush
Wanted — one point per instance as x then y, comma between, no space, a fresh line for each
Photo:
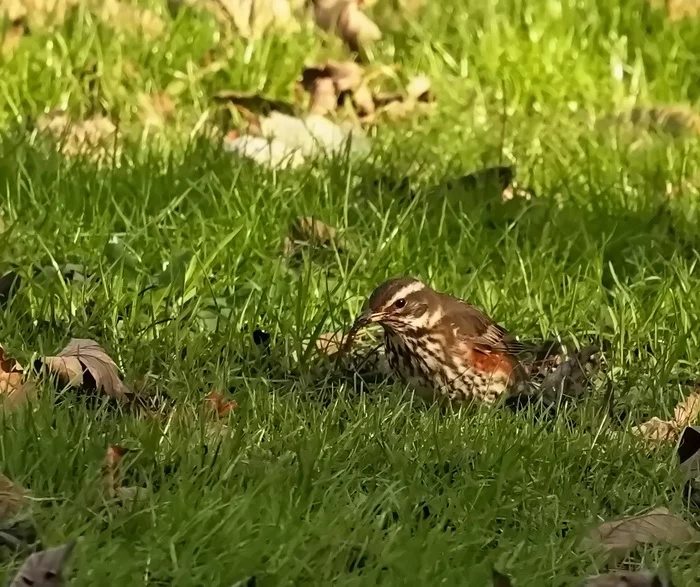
448,350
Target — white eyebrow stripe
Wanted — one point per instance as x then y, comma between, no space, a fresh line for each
405,291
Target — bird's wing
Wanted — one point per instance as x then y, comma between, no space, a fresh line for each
485,335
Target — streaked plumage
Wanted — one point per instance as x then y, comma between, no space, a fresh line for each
446,348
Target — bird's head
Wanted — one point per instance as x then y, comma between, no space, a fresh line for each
399,304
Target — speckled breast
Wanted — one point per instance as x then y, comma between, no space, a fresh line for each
434,376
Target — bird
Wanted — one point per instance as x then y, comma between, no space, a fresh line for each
448,350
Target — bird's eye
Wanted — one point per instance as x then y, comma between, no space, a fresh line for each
400,303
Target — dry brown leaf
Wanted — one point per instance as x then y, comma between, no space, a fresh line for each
310,231
111,474
219,404
344,18
84,356
125,16
15,389
656,429
250,18
44,568
330,343
156,109
12,497
627,579
658,526
328,82
93,137
687,412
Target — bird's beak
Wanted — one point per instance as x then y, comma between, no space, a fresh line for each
367,317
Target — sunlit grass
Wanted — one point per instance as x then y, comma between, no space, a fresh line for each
181,249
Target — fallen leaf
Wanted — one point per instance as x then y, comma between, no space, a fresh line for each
15,389
686,412
251,18
8,285
112,476
658,526
254,102
86,357
656,429
219,404
500,580
44,568
344,18
125,16
156,109
270,152
330,343
628,579
328,82
12,497
314,135
94,137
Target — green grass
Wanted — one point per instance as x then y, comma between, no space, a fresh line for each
311,482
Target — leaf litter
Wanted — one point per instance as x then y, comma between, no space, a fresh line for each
684,414
15,388
93,137
219,404
345,19
12,497
658,526
112,477
85,364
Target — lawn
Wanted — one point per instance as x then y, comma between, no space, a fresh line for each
170,255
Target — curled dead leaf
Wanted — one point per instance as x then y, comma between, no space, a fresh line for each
656,429
219,404
112,476
44,568
684,414
344,18
125,16
658,526
12,498
687,411
94,137
309,231
15,388
83,359
330,343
